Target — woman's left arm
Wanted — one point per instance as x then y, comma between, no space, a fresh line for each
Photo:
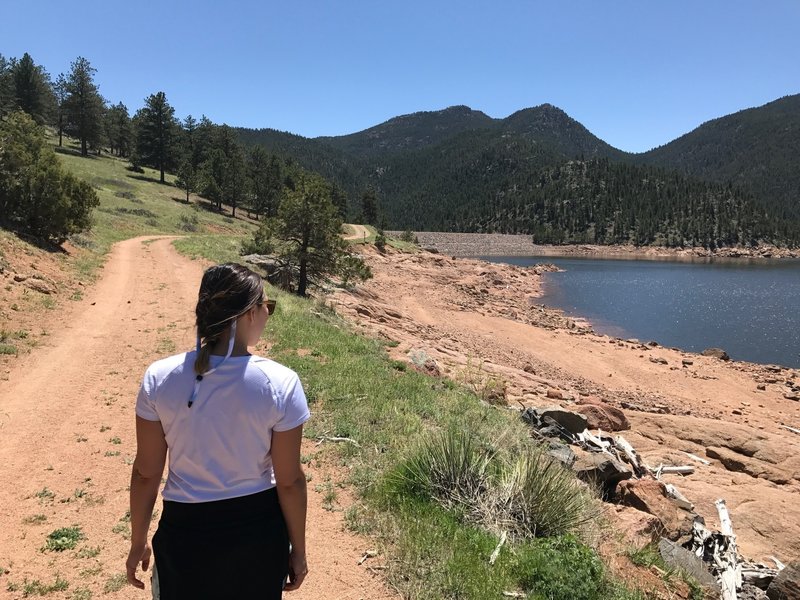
151,454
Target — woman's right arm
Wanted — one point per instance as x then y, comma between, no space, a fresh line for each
291,488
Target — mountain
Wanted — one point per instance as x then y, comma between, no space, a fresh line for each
410,132
757,149
732,181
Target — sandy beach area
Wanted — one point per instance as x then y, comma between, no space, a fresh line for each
482,324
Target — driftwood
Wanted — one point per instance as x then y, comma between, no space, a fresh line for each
672,470
697,458
730,575
792,429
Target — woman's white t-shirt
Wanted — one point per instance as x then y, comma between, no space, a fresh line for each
220,447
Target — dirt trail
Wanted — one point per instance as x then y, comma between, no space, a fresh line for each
359,232
67,436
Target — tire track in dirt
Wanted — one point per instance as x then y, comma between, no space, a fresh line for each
67,433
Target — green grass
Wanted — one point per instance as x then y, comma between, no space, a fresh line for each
115,583
37,588
8,349
133,204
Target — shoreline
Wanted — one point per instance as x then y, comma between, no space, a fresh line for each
501,244
482,324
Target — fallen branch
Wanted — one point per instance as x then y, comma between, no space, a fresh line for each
697,458
792,429
672,470
679,498
496,552
337,439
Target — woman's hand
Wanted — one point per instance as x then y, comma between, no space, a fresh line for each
298,569
140,553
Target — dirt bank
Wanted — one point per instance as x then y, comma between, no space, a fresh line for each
483,325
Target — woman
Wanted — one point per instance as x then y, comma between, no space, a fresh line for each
233,523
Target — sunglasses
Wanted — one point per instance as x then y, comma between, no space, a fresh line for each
270,306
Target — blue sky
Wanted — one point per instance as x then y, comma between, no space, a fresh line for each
635,73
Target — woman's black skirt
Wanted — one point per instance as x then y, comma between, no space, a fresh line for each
237,548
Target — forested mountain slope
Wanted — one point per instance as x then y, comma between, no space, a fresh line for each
733,181
757,148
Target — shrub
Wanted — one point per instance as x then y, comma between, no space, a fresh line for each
36,195
188,223
521,491
562,568
62,539
408,236
380,241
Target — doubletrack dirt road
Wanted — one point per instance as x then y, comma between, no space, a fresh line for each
67,435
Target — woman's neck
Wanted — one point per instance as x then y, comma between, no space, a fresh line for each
221,347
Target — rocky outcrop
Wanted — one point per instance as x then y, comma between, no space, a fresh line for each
716,353
650,496
734,461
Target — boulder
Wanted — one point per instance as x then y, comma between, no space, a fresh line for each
603,416
716,353
571,421
786,585
688,562
601,471
554,394
638,528
650,496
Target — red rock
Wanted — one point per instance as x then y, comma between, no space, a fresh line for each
650,496
553,393
603,416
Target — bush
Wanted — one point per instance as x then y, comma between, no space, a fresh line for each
36,196
562,568
521,491
380,241
408,236
188,223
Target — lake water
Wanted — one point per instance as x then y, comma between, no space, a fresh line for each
751,309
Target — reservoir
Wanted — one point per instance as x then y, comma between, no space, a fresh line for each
751,309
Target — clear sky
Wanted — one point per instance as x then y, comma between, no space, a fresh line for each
637,73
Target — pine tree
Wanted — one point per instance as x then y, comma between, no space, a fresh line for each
306,235
6,87
369,207
118,129
156,130
61,92
84,106
32,90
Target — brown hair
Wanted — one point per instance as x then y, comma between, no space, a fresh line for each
227,291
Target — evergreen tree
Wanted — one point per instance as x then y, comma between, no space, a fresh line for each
156,130
369,207
84,106
186,178
306,235
6,87
339,199
32,91
61,93
118,129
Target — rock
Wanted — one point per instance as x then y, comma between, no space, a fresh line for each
650,496
740,463
430,367
39,285
751,592
571,421
688,562
658,360
637,528
761,387
554,394
602,416
786,586
562,453
601,470
716,353
528,368
687,362
792,396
